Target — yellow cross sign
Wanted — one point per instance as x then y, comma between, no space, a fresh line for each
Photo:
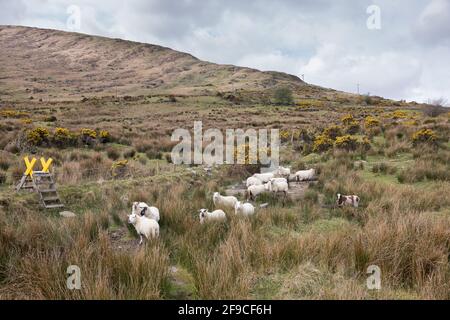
46,164
30,164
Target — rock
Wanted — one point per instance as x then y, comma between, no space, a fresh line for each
67,214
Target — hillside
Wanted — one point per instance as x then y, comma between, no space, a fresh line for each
105,110
54,64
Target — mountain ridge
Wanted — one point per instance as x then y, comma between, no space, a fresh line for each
51,64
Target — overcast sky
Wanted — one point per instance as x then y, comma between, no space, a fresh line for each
405,54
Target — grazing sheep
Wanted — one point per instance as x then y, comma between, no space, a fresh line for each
246,209
216,215
224,201
264,177
253,181
144,226
144,209
278,185
254,191
347,200
305,175
282,172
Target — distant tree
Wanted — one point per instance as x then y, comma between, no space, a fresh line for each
283,96
436,107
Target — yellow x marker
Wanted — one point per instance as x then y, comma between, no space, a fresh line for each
46,164
29,165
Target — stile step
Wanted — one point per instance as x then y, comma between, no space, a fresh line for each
49,206
50,199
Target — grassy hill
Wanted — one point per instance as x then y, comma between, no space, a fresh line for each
105,109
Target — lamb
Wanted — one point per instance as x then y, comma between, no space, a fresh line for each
254,191
253,181
264,177
224,201
278,185
246,209
305,175
352,200
216,215
144,226
142,209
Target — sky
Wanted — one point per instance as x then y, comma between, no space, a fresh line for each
397,49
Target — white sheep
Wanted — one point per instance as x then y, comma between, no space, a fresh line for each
224,201
144,209
217,215
282,172
254,191
305,175
352,200
144,226
246,209
278,185
253,181
264,177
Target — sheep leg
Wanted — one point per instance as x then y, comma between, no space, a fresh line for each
140,242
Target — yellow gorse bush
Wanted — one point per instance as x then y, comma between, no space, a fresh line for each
347,119
371,122
89,133
424,136
13,114
332,132
37,135
346,142
322,143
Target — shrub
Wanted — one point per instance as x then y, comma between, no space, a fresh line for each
4,164
435,107
371,122
347,119
346,142
283,96
352,127
119,168
399,114
364,144
426,136
129,153
62,137
88,136
2,177
322,143
37,136
333,132
105,136
383,168
50,119
153,154
113,154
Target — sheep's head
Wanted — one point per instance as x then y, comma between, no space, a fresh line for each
340,199
132,218
216,194
202,215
